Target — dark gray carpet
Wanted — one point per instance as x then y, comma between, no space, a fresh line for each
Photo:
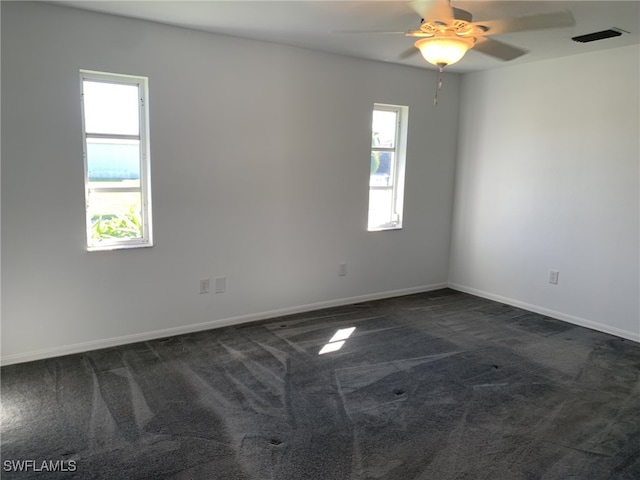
440,385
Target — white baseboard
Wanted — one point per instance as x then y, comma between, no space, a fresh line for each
582,322
224,322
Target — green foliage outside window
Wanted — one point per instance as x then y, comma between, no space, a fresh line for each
375,162
375,156
128,225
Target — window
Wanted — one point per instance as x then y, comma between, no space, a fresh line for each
386,180
116,160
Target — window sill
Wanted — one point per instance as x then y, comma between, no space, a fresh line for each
106,248
385,228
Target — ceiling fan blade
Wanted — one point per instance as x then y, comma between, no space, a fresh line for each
497,49
463,15
431,10
531,22
408,53
378,32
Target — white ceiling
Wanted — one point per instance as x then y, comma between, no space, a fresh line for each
311,24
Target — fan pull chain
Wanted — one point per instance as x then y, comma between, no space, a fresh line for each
438,85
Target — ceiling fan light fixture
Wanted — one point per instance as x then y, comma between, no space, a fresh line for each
443,50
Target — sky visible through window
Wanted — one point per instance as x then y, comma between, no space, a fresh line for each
383,128
111,108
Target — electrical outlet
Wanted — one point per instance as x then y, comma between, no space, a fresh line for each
204,286
342,269
221,284
553,277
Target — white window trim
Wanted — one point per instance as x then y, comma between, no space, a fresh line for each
398,174
145,185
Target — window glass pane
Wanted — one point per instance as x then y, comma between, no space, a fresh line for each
383,129
110,108
133,185
380,207
381,169
113,160
115,215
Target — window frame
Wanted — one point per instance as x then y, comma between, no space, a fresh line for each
397,175
146,240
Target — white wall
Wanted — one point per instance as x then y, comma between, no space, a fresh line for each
547,178
260,160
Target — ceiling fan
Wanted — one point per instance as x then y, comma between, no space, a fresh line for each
446,33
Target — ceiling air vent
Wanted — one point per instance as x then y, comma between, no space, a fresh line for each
592,37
